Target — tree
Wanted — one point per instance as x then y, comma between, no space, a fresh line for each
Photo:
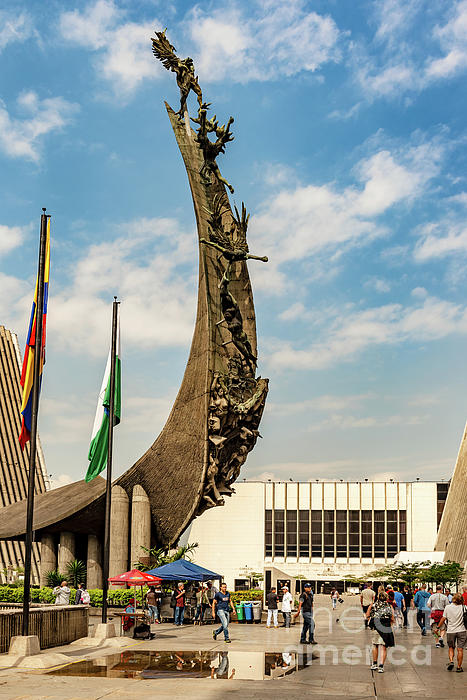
76,572
444,572
408,573
159,557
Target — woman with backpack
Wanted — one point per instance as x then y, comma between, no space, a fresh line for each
381,618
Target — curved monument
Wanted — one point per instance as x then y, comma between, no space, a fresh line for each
214,422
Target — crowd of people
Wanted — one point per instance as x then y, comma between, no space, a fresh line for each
444,614
385,611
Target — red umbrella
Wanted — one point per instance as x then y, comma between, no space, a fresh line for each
134,578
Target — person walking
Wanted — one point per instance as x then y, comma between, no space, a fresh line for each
367,598
408,600
223,606
400,608
305,606
437,602
334,597
380,615
286,606
420,600
271,599
464,594
448,595
62,594
202,603
151,601
453,615
79,594
180,596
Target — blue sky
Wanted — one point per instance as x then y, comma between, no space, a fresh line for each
350,152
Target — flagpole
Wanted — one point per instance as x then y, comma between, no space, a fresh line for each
34,415
108,493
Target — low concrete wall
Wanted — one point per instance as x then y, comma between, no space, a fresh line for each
53,624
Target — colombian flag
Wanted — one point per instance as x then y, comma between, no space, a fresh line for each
27,373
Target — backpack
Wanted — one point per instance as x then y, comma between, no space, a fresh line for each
85,598
381,615
464,615
173,600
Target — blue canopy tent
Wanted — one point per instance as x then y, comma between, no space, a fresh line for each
183,570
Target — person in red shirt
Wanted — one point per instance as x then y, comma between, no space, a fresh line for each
464,594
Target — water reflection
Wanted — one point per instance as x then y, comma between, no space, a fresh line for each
225,665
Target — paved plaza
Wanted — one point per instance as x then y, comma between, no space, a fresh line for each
339,667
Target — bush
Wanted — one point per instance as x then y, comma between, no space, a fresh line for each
238,596
54,578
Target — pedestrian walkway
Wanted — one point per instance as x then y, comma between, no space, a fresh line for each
339,668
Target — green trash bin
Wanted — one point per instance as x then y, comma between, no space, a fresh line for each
240,613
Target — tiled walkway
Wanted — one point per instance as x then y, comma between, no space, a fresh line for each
339,670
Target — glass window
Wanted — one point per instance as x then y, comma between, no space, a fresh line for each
304,532
268,533
366,533
328,533
291,533
278,533
316,533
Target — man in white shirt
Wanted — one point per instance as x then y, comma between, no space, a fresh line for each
367,598
286,608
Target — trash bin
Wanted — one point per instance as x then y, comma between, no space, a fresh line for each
240,613
248,608
257,610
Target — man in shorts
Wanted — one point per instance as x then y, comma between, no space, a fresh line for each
453,615
437,602
367,598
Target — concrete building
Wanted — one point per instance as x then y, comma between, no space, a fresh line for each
322,531
14,463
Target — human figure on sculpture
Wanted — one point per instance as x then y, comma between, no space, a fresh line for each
62,594
180,596
453,614
222,605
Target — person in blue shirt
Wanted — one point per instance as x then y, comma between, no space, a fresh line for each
400,607
222,602
423,611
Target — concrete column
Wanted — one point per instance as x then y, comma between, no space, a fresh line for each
94,563
119,526
48,557
66,551
140,524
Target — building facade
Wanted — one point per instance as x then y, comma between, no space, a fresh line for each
323,531
14,463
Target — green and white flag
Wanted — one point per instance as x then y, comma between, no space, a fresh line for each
100,433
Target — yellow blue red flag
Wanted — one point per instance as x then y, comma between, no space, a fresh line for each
27,373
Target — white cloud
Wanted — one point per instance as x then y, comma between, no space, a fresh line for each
379,285
278,40
395,64
452,37
305,220
149,266
10,237
350,334
349,422
124,56
320,404
22,137
438,240
14,27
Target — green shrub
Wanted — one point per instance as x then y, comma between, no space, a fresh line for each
238,596
54,578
